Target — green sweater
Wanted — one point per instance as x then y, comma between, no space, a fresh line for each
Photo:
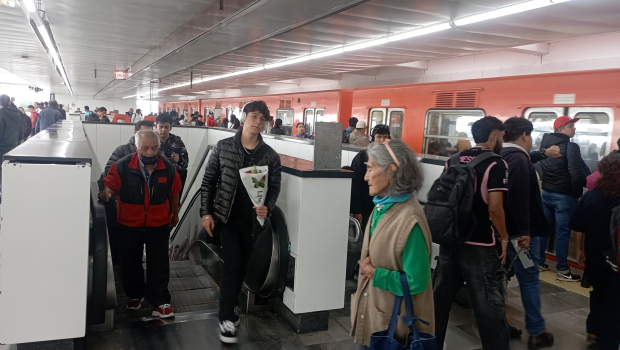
415,261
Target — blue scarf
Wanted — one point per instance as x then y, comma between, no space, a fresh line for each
387,199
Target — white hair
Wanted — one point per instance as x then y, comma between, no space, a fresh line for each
146,133
409,176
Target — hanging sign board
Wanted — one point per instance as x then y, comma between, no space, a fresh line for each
564,99
385,103
120,75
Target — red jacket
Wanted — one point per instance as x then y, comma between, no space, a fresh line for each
33,117
211,122
140,204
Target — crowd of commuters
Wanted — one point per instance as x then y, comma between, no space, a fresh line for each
511,217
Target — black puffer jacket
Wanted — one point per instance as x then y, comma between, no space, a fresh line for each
563,175
10,129
219,183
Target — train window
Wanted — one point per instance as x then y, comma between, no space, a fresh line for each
308,121
543,123
206,112
193,110
376,117
217,113
449,131
185,112
320,115
396,123
593,137
288,116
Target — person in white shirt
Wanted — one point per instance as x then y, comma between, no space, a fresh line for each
137,116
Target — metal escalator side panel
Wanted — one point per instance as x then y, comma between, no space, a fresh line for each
200,170
100,256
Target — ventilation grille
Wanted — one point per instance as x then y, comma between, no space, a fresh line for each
218,104
286,103
456,99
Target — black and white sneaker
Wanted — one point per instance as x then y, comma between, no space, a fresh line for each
237,320
543,267
228,332
567,276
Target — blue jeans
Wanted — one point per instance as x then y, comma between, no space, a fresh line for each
530,290
559,211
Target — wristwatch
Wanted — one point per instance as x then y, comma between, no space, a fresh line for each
542,151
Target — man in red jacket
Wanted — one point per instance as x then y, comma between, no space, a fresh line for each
148,187
211,120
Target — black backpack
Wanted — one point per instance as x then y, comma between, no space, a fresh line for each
450,201
613,254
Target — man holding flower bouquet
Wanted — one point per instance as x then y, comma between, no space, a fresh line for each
239,189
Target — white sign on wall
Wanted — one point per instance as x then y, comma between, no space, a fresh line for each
385,103
564,99
120,75
312,104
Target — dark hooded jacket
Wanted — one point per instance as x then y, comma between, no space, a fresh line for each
219,183
523,204
563,175
10,129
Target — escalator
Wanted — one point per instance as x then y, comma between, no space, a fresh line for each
101,297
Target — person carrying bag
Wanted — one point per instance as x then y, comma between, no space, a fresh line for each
416,340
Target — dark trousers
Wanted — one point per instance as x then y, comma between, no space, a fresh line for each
604,318
237,246
155,290
480,268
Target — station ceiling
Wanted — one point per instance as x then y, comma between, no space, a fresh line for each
164,43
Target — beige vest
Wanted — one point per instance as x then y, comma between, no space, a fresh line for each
371,308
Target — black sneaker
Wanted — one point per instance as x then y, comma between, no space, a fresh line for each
543,267
515,332
567,277
228,332
237,320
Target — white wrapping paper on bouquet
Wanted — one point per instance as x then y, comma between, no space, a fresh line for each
254,179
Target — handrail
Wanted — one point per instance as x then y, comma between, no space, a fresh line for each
189,184
195,197
99,249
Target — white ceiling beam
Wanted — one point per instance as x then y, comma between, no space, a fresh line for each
422,65
533,49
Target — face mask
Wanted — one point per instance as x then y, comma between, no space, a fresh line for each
148,160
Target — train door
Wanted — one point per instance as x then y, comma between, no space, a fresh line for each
393,117
311,116
207,110
217,113
288,116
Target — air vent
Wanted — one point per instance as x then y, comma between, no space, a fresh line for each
456,99
218,104
286,104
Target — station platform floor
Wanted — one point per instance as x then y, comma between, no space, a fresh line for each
195,296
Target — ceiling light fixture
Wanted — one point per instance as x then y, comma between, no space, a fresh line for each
505,11
433,28
30,6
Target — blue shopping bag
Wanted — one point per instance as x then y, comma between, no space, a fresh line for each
416,340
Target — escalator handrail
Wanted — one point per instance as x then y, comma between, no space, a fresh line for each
195,197
191,183
100,258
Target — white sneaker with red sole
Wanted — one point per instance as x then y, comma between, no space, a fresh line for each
134,304
163,311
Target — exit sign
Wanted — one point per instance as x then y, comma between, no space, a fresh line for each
120,75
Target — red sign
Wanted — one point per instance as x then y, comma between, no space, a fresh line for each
120,75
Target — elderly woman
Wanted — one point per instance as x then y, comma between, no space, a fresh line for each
397,240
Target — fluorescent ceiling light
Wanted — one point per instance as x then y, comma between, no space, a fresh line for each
505,11
30,6
327,53
365,44
421,31
287,62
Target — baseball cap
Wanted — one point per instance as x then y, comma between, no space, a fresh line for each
360,124
564,120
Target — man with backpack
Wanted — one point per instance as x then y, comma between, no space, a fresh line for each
465,213
563,180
